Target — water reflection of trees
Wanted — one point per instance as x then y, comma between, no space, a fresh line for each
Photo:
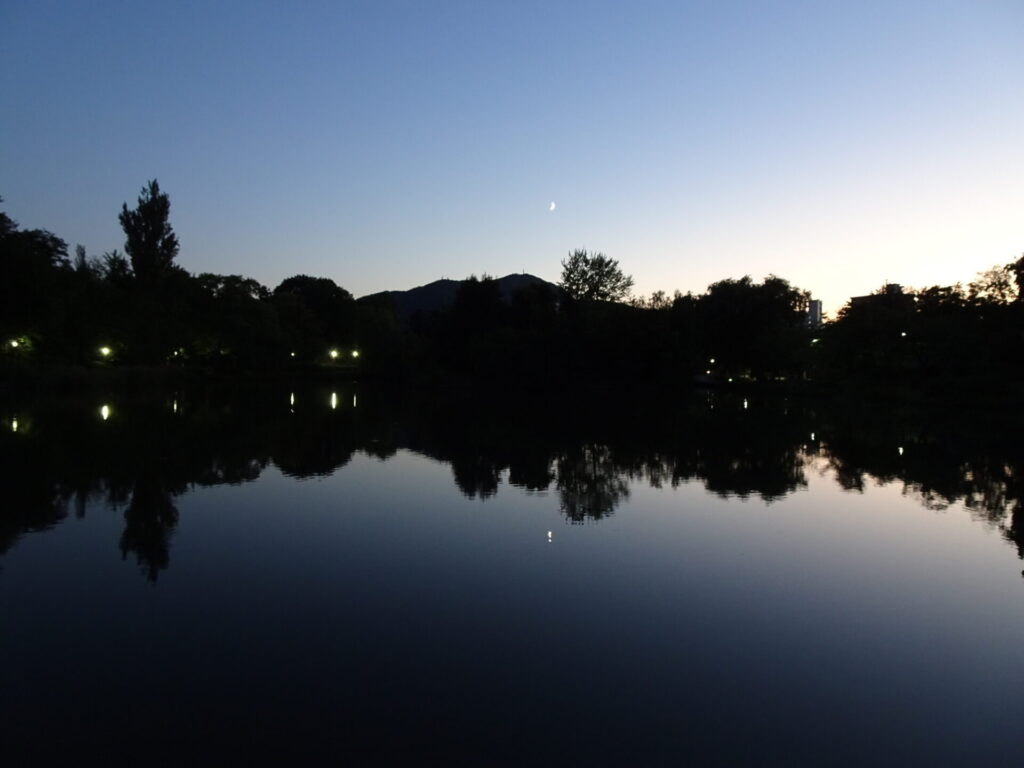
586,454
962,456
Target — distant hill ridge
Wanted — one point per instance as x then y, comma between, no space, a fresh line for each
441,294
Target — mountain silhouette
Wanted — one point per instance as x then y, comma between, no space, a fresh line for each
440,294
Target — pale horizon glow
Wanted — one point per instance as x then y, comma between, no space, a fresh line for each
389,144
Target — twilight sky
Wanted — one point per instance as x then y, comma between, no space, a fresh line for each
387,144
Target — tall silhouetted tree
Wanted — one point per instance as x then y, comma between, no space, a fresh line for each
1017,268
150,242
594,277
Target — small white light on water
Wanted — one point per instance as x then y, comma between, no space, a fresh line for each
550,535
334,400
105,412
174,406
901,450
354,401
812,435
291,399
744,403
14,425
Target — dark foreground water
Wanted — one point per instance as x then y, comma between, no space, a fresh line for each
332,573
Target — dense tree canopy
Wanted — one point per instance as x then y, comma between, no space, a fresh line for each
594,277
150,242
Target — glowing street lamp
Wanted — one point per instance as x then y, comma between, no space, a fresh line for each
14,343
105,351
333,354
355,353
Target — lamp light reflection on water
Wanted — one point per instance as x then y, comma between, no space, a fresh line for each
174,406
744,403
550,536
291,399
105,412
334,400
354,401
14,425
900,450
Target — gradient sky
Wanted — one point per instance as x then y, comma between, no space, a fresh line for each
385,144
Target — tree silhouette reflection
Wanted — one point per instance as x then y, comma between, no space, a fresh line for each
149,522
590,485
146,457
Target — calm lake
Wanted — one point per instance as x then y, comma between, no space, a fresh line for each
336,572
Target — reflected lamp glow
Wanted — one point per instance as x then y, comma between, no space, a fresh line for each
104,412
333,354
550,535
334,400
900,449
14,425
291,399
354,401
105,351
744,403
174,406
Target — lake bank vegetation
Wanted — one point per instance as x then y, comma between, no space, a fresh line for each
138,313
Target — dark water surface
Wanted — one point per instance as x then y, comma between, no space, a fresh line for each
513,579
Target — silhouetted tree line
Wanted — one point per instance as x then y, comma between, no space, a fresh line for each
587,454
140,307
143,308
940,334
